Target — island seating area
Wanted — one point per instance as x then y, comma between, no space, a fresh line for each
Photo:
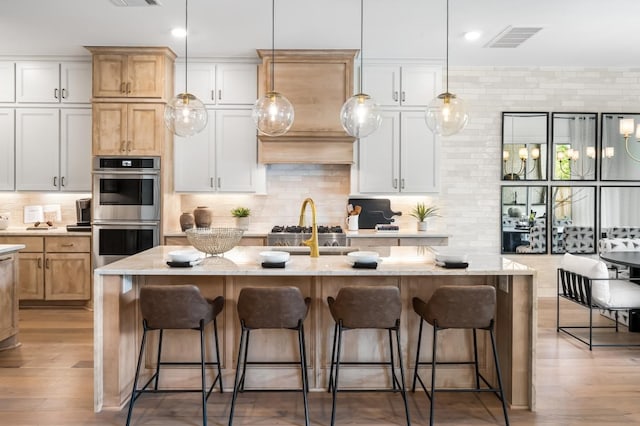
118,324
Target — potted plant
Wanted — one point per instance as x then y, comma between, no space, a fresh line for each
242,217
422,212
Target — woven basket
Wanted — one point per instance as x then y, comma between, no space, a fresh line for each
214,240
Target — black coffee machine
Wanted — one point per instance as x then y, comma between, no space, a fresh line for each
83,216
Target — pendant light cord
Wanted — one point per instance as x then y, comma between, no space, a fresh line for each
361,39
186,36
273,42
447,81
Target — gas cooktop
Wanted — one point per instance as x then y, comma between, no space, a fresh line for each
322,229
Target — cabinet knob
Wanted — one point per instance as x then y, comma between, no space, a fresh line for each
55,93
395,184
213,95
211,183
404,98
219,94
55,181
123,87
123,146
64,93
39,263
128,146
402,183
62,181
395,95
128,87
67,245
219,182
46,263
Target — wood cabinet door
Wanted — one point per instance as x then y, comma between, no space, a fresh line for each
37,149
109,128
7,147
145,76
145,129
8,297
75,150
68,276
31,276
109,74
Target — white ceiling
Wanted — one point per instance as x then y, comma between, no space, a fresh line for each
575,32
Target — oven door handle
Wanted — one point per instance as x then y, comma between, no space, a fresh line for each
126,172
125,223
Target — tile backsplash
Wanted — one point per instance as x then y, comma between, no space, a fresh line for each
14,202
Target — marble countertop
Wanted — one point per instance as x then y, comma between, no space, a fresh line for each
58,230
10,248
244,260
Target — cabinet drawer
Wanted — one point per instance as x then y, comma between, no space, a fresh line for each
176,241
68,244
32,244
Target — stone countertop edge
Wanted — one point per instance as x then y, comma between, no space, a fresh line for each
362,233
60,230
10,248
244,261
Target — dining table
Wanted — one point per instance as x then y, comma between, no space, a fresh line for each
626,258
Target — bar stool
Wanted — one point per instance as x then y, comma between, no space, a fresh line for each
371,308
271,308
177,307
459,307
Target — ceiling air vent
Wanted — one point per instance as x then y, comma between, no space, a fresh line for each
512,36
136,3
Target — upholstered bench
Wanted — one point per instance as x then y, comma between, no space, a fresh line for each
586,282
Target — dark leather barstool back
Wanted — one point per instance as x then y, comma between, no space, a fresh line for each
366,307
459,307
177,307
273,307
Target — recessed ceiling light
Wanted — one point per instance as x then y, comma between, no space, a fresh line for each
472,35
178,32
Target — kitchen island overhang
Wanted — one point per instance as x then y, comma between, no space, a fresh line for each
117,321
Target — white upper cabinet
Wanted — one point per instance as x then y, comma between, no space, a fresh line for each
402,85
7,81
400,157
7,147
219,84
53,82
53,149
223,157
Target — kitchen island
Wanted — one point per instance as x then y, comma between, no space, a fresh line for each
9,296
117,325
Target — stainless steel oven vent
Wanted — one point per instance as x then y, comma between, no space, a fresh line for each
136,3
512,37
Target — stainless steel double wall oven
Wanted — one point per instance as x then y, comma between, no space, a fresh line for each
126,206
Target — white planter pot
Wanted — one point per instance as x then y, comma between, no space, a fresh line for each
242,223
422,226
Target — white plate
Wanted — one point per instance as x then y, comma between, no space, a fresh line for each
274,256
186,255
451,257
363,257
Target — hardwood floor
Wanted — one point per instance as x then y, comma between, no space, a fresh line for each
49,379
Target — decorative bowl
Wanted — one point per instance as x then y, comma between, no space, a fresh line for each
214,240
363,257
186,255
274,256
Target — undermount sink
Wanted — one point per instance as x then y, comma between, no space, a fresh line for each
324,250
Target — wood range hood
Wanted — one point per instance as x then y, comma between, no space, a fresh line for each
317,83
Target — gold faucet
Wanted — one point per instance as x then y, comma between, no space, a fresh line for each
313,241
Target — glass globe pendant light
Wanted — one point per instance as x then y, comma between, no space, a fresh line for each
185,115
273,113
446,114
360,115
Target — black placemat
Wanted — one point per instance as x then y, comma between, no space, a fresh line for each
179,264
365,265
273,264
455,265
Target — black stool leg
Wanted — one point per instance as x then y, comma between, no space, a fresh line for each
335,382
394,379
499,374
244,362
236,383
304,353
303,367
333,356
135,379
215,336
415,369
155,386
403,390
433,374
202,373
475,358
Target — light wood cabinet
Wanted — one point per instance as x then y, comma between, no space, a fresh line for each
401,156
220,83
221,158
364,242
132,72
53,82
128,128
8,302
52,153
402,85
56,268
